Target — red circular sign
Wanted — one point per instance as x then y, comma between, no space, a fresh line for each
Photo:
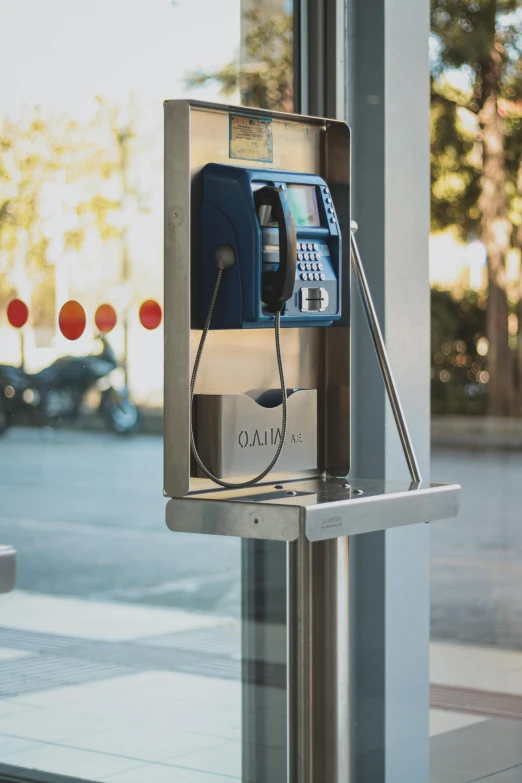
150,314
105,318
72,320
17,313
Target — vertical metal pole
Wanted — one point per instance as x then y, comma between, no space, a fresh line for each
318,641
318,573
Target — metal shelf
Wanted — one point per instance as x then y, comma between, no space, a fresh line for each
318,509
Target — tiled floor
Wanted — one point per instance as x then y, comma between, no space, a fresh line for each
154,726
103,728
485,668
6,654
144,726
489,752
106,621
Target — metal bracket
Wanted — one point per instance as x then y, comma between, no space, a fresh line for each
382,356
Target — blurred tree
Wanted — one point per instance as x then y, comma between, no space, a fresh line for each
47,166
28,153
476,151
121,122
265,78
458,362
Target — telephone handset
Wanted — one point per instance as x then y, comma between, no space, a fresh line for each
278,284
270,256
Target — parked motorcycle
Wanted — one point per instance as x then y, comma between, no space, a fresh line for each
57,392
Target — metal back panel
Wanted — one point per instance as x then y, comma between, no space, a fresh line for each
237,361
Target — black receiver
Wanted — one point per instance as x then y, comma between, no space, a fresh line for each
278,285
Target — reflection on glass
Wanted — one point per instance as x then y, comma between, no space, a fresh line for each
264,73
476,392
121,647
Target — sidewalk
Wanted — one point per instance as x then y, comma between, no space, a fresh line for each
98,690
140,694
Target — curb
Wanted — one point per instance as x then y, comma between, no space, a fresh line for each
478,432
151,422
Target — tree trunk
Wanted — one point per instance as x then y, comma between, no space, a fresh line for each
518,386
517,400
496,235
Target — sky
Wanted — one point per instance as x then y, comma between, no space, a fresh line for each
59,54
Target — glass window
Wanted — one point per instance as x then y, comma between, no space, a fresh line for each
476,578
121,652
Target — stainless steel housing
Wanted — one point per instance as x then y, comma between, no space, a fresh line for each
237,361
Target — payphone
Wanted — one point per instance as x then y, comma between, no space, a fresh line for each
284,241
259,251
270,257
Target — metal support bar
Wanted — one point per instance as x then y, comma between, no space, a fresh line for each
318,646
382,356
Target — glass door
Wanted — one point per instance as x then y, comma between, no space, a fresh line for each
127,653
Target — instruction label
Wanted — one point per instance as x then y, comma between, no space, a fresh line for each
250,138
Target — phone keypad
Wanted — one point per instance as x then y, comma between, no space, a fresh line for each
310,266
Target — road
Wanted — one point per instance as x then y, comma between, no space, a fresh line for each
476,560
86,512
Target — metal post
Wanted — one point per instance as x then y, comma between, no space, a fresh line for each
318,685
318,573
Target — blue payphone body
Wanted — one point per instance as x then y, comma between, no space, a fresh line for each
282,229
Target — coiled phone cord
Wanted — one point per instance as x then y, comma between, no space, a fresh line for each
206,471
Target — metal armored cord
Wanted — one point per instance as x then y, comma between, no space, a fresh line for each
206,471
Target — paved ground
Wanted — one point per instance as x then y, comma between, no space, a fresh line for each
86,513
477,559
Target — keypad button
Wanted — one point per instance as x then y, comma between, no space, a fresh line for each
318,256
330,209
314,267
304,277
306,257
316,276
332,220
309,266
310,246
322,276
328,200
325,190
302,267
319,266
316,246
299,256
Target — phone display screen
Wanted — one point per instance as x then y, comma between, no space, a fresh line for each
303,199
